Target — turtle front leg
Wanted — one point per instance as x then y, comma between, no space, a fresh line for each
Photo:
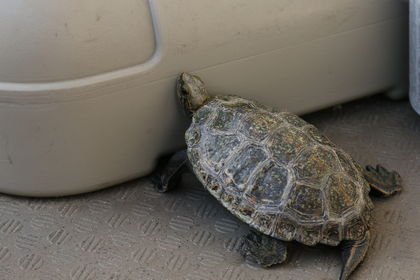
383,181
265,250
353,252
172,174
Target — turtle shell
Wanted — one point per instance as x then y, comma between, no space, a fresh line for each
278,173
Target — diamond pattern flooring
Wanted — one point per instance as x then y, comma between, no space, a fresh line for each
130,231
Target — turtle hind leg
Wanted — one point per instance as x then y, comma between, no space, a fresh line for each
382,181
171,176
352,253
265,250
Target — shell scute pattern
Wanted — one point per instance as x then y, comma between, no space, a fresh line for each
346,164
202,115
258,125
286,143
272,110
269,185
236,103
278,173
293,119
217,148
314,133
194,157
367,217
231,201
241,168
313,165
285,228
306,202
224,120
215,188
332,233
354,228
246,211
193,137
341,195
310,234
264,221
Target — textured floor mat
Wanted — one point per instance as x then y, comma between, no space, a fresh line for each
130,231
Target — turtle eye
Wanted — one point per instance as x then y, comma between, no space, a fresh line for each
184,92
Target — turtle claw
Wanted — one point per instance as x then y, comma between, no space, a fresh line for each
265,250
250,241
379,170
171,175
382,171
157,182
384,181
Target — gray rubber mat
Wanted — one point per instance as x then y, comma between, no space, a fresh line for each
132,232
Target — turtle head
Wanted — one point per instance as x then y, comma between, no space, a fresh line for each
191,93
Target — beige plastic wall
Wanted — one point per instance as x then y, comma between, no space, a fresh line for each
87,87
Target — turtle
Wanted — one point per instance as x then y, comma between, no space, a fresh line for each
277,173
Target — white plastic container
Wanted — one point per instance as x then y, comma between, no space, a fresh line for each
415,54
87,87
